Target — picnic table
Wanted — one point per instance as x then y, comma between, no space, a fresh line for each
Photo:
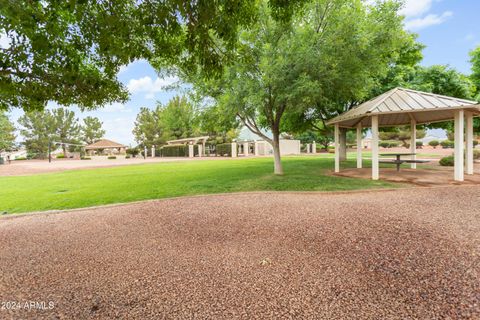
398,161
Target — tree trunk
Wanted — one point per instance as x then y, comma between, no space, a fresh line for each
64,151
343,144
278,169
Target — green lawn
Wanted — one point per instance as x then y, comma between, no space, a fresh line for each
84,188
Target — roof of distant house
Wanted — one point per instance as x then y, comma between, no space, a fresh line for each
104,144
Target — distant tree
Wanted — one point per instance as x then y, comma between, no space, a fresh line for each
149,129
179,119
67,127
38,128
220,125
402,134
42,127
7,132
91,130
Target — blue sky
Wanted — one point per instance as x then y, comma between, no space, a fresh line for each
449,29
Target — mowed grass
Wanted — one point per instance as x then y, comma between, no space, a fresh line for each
84,188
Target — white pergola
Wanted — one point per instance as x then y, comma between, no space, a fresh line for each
401,106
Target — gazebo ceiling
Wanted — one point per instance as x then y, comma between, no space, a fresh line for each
399,106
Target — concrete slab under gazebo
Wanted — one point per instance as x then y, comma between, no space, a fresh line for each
399,107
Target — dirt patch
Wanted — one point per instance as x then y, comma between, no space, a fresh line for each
411,253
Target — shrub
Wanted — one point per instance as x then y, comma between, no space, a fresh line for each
331,150
447,144
174,151
419,144
384,144
434,143
85,158
447,161
475,142
60,156
112,157
223,149
476,154
21,158
127,156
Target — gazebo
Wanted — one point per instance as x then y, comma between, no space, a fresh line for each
106,146
401,106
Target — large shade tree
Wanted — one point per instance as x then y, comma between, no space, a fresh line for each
331,52
91,130
70,52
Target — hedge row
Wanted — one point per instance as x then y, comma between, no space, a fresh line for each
174,151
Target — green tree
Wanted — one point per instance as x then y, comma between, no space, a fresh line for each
285,76
179,119
475,76
67,127
402,134
91,130
38,128
7,132
70,51
149,129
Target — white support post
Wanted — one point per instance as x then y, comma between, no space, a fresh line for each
359,145
153,151
337,148
413,142
245,149
469,142
375,171
256,148
314,147
145,152
459,132
200,150
234,149
190,151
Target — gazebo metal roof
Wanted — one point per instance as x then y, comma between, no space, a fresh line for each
400,106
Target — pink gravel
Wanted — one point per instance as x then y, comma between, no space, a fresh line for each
403,254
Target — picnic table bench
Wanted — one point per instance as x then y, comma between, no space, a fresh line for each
397,161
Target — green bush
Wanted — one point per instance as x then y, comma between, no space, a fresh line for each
475,143
434,143
447,144
127,156
223,149
174,151
447,161
60,156
85,158
21,158
331,150
384,144
419,144
476,154
112,157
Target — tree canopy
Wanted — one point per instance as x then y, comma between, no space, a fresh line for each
70,51
284,75
91,130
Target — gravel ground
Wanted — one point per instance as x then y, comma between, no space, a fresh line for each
403,254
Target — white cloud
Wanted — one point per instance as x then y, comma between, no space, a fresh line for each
120,129
415,8
149,86
114,107
4,41
428,20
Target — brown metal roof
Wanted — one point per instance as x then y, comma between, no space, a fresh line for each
104,144
398,106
